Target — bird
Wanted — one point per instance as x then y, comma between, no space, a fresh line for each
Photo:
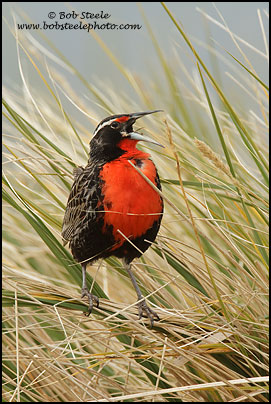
112,210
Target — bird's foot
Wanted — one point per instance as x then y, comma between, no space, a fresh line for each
91,298
144,308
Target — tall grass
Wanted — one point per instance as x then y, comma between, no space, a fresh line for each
206,275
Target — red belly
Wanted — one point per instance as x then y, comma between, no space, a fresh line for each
131,205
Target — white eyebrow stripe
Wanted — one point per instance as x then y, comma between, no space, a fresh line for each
102,125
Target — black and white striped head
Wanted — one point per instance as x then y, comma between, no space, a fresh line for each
109,135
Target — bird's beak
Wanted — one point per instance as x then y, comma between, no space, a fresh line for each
137,115
137,136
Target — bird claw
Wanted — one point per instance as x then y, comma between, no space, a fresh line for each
91,298
144,308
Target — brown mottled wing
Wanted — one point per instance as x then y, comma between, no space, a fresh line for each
82,203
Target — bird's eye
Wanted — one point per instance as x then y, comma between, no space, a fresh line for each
115,125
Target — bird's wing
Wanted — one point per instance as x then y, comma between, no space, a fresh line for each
82,203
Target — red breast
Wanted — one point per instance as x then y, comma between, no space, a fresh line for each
131,205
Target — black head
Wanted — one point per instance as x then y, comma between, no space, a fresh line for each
108,135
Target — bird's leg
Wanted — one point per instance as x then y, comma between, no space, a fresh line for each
142,305
85,292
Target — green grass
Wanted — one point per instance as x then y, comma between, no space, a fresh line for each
206,275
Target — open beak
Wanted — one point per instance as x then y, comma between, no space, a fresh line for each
137,136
